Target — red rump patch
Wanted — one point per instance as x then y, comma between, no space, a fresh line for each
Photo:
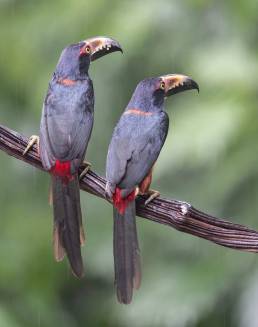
121,203
62,169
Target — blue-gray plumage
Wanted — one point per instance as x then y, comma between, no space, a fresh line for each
65,130
67,121
133,151
134,148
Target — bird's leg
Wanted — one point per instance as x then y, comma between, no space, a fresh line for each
87,166
144,188
34,139
152,195
137,191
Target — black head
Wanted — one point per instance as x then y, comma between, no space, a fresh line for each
150,93
75,59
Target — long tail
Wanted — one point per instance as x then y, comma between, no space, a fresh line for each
126,253
68,230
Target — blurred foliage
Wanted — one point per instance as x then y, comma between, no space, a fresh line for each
210,159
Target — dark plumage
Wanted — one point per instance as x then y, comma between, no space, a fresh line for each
134,148
65,130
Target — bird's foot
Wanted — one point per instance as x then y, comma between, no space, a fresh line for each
109,191
152,195
34,139
87,166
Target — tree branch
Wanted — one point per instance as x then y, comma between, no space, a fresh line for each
177,214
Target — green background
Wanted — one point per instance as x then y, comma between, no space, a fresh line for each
210,159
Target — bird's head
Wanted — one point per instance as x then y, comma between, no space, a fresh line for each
75,58
151,92
97,47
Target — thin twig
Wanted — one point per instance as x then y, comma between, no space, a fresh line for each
177,214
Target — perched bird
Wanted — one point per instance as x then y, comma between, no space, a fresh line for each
134,148
65,130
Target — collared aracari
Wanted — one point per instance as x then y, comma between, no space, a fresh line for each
65,130
134,148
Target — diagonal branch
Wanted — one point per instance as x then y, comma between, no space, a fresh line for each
177,214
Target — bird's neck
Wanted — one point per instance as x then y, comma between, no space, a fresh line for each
70,77
74,70
146,105
146,101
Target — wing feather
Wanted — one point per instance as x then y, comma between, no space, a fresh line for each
66,123
134,148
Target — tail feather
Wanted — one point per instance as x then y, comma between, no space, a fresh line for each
126,253
59,251
68,230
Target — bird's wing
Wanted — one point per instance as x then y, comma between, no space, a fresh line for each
66,124
134,148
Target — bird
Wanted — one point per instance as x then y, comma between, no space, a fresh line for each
133,150
65,130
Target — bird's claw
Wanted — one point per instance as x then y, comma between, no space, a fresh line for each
34,139
87,167
152,195
109,191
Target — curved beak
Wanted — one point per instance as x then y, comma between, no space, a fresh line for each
175,83
101,45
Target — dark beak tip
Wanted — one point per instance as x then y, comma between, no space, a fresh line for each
195,86
118,47
188,84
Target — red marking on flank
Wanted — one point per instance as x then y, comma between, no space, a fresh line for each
146,182
121,203
63,170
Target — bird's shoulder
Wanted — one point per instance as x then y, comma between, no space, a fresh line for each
64,95
132,126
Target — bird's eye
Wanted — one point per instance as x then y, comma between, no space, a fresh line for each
87,49
162,85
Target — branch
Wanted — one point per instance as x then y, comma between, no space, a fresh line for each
177,214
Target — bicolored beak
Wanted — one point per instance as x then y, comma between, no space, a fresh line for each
101,45
175,83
